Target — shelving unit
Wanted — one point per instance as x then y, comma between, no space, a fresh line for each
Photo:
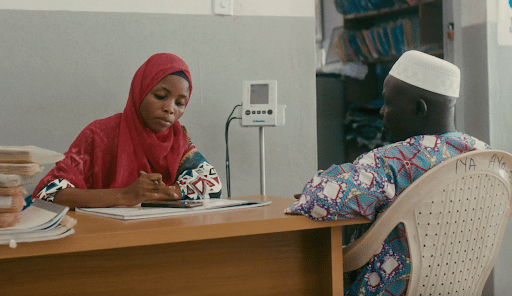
430,28
363,94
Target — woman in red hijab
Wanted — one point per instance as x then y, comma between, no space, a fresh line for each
141,154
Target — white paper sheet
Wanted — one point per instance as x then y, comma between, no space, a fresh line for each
209,205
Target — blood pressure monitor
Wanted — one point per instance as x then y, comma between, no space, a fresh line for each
259,106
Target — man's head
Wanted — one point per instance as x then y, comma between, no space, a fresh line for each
419,93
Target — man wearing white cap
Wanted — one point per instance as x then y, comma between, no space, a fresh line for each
420,94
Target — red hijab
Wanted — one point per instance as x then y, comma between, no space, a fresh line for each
111,152
153,153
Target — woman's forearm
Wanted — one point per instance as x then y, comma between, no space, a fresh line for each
90,198
128,197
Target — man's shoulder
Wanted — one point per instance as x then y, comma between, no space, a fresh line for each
433,141
463,142
447,144
435,148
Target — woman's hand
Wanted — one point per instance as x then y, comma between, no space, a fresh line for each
149,187
146,187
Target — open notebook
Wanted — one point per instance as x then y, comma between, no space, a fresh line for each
209,205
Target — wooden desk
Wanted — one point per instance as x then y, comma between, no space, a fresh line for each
258,251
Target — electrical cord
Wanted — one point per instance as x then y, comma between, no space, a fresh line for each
228,177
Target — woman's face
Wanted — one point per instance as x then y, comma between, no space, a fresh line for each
165,103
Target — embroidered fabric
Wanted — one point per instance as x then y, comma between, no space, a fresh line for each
200,183
48,192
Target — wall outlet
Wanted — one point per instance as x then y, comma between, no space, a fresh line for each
223,7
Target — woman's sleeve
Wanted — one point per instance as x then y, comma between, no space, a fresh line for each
48,192
347,191
75,170
198,179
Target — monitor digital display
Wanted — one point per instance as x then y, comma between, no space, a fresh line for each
259,94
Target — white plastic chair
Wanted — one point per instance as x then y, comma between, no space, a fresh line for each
455,217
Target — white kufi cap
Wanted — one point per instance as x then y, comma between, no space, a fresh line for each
428,72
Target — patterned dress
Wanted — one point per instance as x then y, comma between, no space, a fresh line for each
365,188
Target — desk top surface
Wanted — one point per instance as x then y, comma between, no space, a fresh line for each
98,233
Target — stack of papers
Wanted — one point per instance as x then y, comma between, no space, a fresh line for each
209,205
20,164
28,154
40,221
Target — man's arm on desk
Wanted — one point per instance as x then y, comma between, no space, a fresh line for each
346,191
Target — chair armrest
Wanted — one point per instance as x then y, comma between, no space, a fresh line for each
360,252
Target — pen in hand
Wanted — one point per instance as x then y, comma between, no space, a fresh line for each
154,181
176,196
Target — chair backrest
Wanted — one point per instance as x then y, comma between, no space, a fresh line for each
455,217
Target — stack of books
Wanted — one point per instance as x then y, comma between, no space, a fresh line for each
19,166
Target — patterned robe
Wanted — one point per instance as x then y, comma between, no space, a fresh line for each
366,188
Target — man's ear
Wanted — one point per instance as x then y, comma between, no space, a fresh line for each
420,108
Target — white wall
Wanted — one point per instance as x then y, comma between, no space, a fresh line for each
486,92
332,19
204,7
67,63
499,59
